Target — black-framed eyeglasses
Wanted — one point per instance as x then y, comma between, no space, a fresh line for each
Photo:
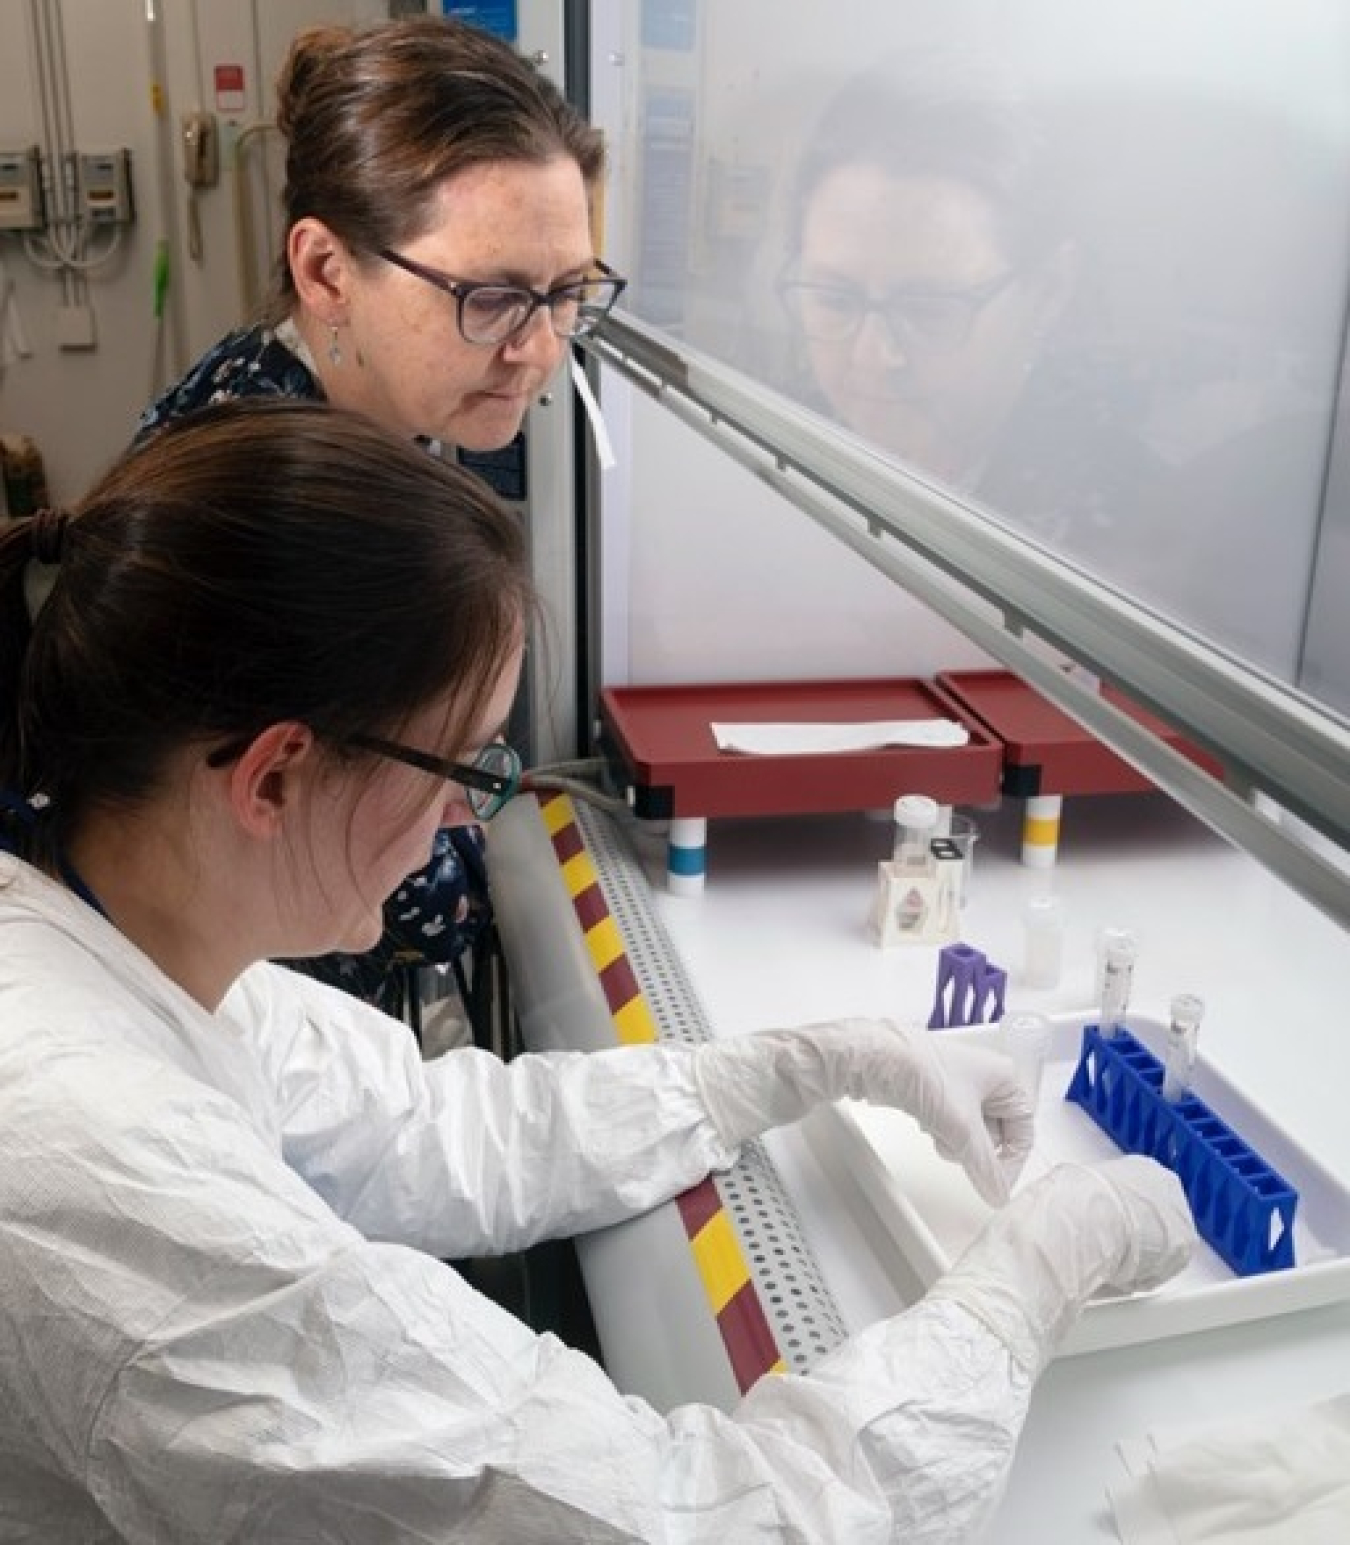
497,313
491,779
934,321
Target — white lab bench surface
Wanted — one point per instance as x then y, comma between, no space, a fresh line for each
778,937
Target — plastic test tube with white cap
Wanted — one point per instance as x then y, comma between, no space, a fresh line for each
1026,1039
1118,957
1105,938
1183,1031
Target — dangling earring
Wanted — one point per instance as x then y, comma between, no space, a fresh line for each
334,347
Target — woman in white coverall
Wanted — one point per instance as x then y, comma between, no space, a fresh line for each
276,657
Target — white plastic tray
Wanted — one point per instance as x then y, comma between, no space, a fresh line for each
931,1212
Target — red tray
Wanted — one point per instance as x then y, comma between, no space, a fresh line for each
1047,752
661,741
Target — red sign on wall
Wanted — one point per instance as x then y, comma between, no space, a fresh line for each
229,82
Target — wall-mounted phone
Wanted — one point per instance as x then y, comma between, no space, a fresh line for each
201,150
201,169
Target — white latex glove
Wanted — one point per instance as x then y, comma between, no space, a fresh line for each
1123,1224
968,1099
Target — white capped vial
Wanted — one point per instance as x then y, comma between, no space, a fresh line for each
916,819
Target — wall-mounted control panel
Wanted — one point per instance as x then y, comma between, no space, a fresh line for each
21,190
103,183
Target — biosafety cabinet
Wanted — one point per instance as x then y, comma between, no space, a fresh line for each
1038,312
982,359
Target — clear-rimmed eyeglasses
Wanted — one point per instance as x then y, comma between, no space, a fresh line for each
935,321
497,313
491,779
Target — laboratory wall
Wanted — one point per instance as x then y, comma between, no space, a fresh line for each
97,310
1084,266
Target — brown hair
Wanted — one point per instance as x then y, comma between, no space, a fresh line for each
932,117
261,561
378,117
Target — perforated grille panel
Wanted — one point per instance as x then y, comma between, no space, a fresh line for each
799,1306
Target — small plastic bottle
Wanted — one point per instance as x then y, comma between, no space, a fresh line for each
1117,980
916,818
1043,941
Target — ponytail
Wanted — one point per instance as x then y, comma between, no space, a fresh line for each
29,548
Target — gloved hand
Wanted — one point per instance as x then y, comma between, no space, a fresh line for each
968,1099
1123,1224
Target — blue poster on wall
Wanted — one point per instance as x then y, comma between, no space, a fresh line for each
499,18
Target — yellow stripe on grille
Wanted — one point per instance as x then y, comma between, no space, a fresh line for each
604,942
556,814
579,873
717,1253
633,1023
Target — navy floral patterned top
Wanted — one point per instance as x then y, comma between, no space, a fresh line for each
442,910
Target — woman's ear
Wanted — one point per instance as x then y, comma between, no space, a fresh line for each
320,267
266,784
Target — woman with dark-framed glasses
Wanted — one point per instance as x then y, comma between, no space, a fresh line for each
439,258
929,265
275,657
941,297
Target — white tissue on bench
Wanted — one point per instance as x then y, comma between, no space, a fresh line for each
875,735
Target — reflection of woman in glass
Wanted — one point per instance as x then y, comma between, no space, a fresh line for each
928,279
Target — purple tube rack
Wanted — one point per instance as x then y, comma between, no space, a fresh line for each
1241,1206
969,990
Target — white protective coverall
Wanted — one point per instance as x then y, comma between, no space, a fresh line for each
223,1316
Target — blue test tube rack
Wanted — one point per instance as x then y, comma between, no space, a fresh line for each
1241,1206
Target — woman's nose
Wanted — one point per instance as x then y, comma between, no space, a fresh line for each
537,343
878,342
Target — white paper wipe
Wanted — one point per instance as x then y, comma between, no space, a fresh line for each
787,739
1283,1480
